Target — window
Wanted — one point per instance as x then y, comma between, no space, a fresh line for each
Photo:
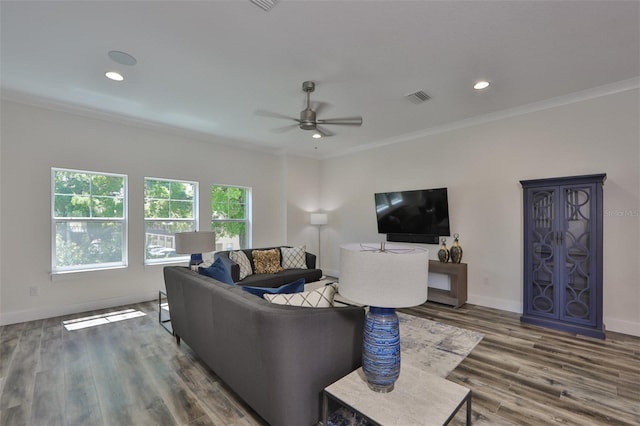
231,217
170,206
89,220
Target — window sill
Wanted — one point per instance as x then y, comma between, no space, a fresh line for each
83,273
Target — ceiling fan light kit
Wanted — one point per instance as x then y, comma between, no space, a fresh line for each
308,117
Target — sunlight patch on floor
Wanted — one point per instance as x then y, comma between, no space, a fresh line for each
107,318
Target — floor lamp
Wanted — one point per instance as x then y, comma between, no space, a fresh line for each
319,219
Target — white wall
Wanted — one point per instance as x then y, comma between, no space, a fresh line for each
35,139
303,195
482,166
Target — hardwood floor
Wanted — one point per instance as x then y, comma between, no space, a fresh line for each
131,372
526,375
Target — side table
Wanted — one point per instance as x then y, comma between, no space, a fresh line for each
419,398
164,317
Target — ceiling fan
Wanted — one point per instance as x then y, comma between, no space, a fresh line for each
308,120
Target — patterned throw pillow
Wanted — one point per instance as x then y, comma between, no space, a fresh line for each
295,287
245,265
294,257
318,298
267,261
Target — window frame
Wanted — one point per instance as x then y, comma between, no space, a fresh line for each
248,220
83,221
195,219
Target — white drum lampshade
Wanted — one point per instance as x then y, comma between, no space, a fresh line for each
319,218
195,243
393,278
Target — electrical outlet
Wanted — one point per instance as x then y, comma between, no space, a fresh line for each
33,291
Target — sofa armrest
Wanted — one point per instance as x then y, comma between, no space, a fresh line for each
232,266
311,260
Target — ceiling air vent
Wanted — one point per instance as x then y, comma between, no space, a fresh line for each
265,5
418,97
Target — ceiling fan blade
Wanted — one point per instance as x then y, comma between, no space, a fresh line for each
324,132
347,121
270,114
284,128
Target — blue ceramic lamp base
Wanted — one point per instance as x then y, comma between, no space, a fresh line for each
195,260
381,349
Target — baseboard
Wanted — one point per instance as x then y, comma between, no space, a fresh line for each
331,272
611,324
491,302
56,311
622,326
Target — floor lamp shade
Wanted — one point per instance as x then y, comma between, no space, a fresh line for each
319,218
195,243
384,278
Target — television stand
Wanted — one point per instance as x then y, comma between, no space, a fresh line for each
457,272
413,238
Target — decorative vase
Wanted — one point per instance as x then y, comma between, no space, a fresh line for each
381,349
443,253
456,251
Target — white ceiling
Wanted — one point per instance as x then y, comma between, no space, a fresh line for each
207,66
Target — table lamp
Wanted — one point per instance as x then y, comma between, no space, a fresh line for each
195,243
384,277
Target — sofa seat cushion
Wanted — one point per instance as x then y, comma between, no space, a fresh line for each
281,278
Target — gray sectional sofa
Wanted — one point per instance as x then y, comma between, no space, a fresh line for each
270,280
277,358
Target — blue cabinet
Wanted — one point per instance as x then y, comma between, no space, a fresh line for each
563,253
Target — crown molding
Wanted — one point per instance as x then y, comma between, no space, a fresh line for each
112,117
596,92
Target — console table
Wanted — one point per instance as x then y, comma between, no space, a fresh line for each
457,272
418,398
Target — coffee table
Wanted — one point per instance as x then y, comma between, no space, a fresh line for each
419,398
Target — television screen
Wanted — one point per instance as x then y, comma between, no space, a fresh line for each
419,212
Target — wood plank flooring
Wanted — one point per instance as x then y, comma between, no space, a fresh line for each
132,373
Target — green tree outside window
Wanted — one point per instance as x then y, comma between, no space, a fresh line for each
89,220
170,206
230,216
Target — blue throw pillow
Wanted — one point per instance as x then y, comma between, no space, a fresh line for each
295,287
218,271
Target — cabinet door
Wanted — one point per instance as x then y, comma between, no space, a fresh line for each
577,251
542,283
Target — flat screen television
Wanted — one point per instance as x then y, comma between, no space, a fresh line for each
413,216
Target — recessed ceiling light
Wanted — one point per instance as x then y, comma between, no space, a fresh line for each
115,76
316,135
481,85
